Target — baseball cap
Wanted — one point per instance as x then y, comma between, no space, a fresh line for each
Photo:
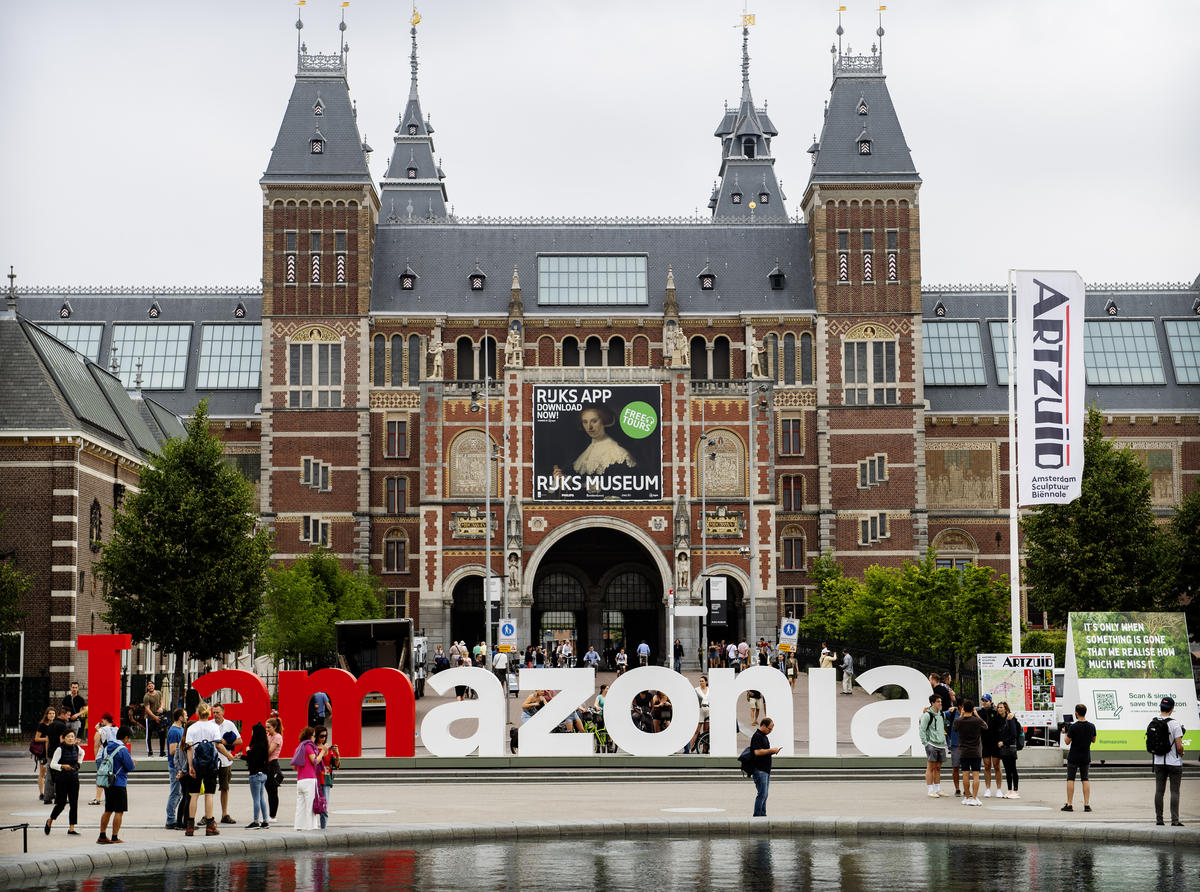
1167,704
987,698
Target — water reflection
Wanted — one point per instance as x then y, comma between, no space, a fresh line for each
802,864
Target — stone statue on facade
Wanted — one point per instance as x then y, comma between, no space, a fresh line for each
436,355
514,347
674,345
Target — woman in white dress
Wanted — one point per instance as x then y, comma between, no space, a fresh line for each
603,452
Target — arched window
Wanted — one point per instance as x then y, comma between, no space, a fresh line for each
616,351
414,360
721,368
869,366
629,591
792,544
397,360
464,360
488,358
806,358
570,352
593,352
395,551
377,378
748,146
699,359
771,356
789,359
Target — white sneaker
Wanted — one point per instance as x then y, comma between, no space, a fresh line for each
1013,795
976,802
966,801
933,795
987,794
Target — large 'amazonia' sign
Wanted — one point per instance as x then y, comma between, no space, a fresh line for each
574,687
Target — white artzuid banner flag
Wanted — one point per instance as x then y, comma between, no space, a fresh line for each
1048,337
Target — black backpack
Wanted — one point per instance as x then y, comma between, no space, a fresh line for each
746,761
1158,737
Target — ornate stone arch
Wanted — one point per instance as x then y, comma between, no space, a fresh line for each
638,534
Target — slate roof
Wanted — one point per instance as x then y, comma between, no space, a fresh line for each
196,307
61,391
444,255
838,159
1147,303
343,158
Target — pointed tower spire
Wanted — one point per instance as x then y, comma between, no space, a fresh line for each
414,175
745,133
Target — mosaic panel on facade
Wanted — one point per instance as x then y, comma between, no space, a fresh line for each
962,474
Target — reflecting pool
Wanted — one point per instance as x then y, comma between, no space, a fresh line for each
793,863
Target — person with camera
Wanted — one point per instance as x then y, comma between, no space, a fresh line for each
328,761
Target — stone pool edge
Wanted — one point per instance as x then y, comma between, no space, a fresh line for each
20,869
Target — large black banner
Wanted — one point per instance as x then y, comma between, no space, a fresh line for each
597,441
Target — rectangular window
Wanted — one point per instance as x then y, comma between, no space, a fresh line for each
1121,351
792,492
396,495
1183,339
795,602
315,474
394,556
872,528
999,335
83,339
339,241
314,530
162,351
324,389
793,553
230,357
953,353
314,242
893,240
396,445
883,372
289,242
396,606
570,280
855,373
306,472
792,436
843,239
953,563
868,240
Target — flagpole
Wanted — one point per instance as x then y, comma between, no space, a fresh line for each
1014,562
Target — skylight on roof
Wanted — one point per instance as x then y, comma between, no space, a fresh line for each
161,349
953,354
230,357
999,333
1183,339
1121,351
83,339
592,280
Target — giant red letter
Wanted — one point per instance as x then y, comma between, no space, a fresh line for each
103,678
346,696
256,702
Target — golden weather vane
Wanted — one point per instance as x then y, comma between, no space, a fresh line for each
416,17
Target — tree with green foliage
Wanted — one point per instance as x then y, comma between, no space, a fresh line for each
938,614
1185,535
185,568
303,602
1102,551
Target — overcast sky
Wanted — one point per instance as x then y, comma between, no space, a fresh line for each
1060,134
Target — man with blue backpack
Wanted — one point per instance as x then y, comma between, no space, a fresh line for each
112,773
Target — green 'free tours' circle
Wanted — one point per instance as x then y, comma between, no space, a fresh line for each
639,420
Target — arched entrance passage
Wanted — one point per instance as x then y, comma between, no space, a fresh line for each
466,611
733,627
599,586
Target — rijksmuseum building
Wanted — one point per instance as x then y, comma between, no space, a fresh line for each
602,413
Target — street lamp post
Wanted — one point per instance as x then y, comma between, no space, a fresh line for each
487,501
705,457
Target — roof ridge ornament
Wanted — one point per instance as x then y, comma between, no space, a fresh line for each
11,297
846,63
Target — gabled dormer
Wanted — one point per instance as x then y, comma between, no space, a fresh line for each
747,173
413,188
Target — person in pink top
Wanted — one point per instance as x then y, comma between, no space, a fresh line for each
305,760
274,774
